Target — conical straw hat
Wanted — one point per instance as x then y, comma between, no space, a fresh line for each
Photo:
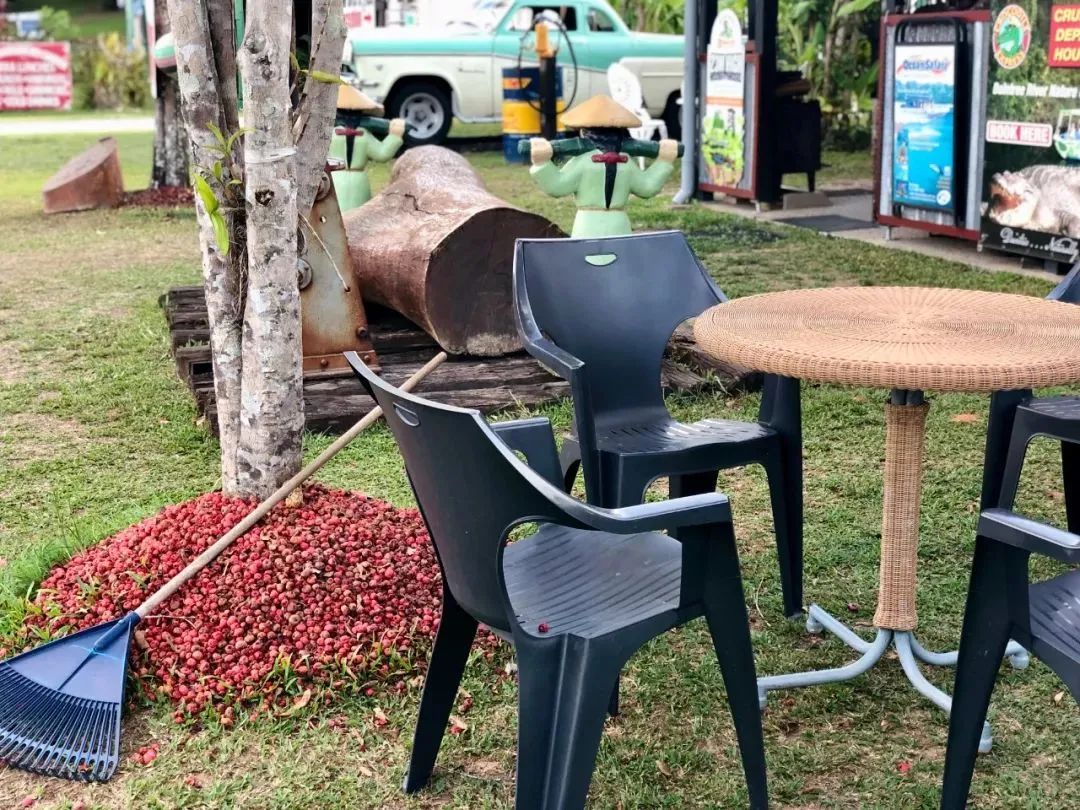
349,98
600,111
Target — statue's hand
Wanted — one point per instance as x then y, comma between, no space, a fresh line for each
397,127
540,151
669,150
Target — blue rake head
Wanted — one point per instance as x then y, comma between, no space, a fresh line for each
60,704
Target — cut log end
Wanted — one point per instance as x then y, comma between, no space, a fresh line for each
438,247
91,179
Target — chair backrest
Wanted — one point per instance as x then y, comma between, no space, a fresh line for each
625,87
1068,289
613,303
470,488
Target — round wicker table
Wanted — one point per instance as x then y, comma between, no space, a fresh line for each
908,339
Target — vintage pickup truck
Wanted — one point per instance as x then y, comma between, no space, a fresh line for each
431,76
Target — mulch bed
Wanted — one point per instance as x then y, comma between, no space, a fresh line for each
167,197
340,593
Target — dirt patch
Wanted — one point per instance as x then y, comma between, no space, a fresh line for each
39,437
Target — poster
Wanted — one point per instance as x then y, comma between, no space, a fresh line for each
723,123
35,75
1031,175
924,113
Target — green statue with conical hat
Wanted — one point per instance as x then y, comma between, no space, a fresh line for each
602,174
358,122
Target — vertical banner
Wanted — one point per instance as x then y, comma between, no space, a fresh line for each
35,75
1031,177
723,122
924,117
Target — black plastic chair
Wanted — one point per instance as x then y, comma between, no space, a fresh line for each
599,313
1054,417
577,598
1044,617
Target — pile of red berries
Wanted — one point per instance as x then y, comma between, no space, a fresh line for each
337,592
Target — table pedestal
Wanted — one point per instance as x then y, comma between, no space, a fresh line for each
896,618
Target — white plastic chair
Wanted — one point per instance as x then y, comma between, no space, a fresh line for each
626,89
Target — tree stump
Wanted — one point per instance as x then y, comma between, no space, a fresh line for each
438,247
91,179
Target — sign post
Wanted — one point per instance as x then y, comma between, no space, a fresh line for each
35,75
1031,178
723,134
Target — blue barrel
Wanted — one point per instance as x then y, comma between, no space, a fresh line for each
521,107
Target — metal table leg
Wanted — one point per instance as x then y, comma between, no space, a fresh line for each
895,618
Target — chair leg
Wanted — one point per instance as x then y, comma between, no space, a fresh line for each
630,491
452,643
729,625
562,698
1070,475
570,462
785,493
982,645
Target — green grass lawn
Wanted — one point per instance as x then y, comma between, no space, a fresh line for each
96,432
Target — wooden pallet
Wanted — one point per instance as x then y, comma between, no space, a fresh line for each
335,400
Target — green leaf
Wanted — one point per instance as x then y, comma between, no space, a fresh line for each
236,136
217,133
854,7
206,194
218,171
325,78
221,233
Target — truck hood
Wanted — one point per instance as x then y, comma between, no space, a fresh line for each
418,41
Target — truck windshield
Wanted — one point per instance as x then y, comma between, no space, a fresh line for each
487,14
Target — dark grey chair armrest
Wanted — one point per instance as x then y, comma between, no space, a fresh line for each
1031,535
676,513
535,439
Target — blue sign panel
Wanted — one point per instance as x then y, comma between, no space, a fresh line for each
924,109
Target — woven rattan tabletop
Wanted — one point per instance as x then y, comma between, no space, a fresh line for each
916,338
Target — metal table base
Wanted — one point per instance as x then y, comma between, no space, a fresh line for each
908,649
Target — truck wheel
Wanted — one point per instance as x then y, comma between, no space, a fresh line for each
427,111
672,116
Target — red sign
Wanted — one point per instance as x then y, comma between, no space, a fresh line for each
1020,133
1064,37
35,75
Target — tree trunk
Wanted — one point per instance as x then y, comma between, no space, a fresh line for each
204,91
272,406
170,166
170,138
437,247
318,101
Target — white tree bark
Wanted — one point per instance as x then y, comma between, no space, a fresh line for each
198,78
318,100
272,402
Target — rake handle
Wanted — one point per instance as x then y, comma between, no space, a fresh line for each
257,514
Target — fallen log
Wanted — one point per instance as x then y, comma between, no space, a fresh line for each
437,246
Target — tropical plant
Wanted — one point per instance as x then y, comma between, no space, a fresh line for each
660,16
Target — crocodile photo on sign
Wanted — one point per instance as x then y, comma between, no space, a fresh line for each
1037,198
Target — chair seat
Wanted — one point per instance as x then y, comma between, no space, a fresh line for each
669,436
591,583
1063,408
1055,613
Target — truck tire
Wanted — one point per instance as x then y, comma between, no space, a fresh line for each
672,116
427,111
